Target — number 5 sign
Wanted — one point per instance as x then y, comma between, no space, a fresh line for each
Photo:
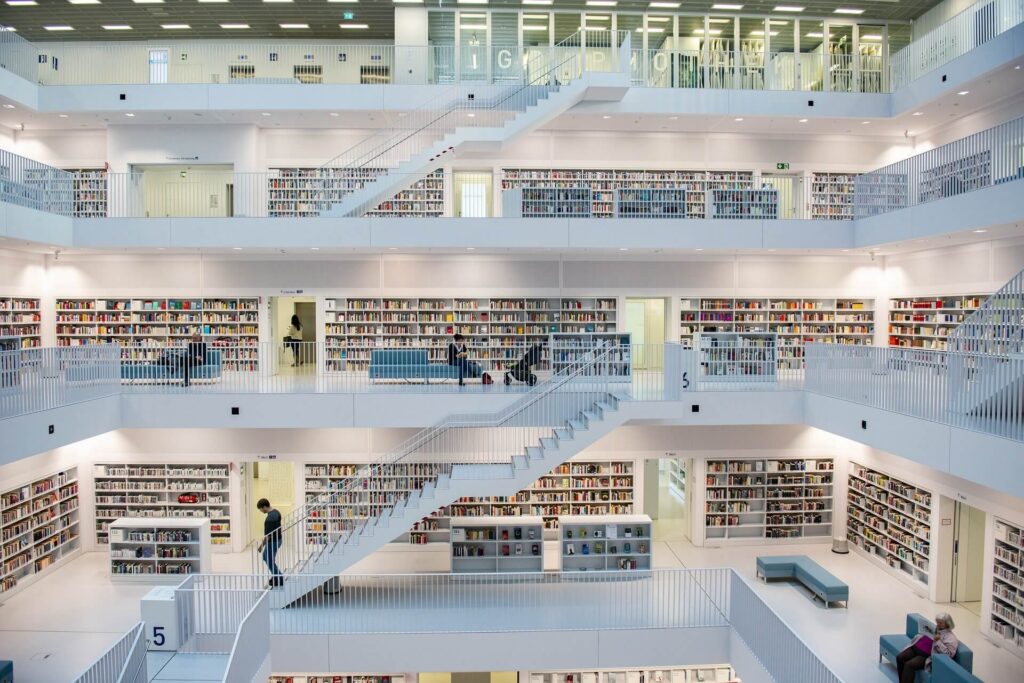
160,615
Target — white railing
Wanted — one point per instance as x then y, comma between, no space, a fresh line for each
783,654
208,619
38,379
31,184
250,652
125,662
969,29
989,157
17,55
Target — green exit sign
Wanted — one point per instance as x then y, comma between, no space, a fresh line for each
782,166
347,16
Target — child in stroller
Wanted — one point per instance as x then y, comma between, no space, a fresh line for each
521,370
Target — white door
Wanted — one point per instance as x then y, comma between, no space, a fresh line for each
158,66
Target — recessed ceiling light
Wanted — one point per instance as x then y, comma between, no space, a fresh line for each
234,26
237,248
665,5
848,10
963,92
606,117
129,114
980,231
815,34
1017,68
353,26
471,2
290,26
699,250
711,31
334,113
534,28
8,106
175,27
733,7
60,27
623,249
470,248
673,118
22,3
864,123
871,36
265,113
652,29
803,120
844,250
788,8
392,248
407,2
148,2
602,3
471,115
63,116
314,248
116,27
720,21
83,2
738,118
538,2
918,113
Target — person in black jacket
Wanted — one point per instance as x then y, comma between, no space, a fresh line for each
271,542
458,355
195,355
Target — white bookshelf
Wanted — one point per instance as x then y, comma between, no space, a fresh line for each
336,678
158,549
605,543
768,500
709,673
611,348
497,544
1007,609
652,202
143,327
156,491
738,356
676,475
39,527
878,193
20,316
308,192
971,172
927,322
832,196
498,331
89,192
889,520
531,201
743,203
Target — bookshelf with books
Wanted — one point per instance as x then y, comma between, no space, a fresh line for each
768,500
878,193
889,520
926,322
309,192
651,202
738,356
794,320
949,179
336,678
529,201
498,331
481,545
20,316
39,527
144,326
613,350
708,673
157,490
89,192
676,479
743,204
605,543
158,549
1006,617
832,196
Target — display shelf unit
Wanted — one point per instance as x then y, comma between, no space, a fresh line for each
795,321
309,192
20,317
89,192
531,201
709,673
605,543
158,549
498,331
890,520
481,545
171,490
1006,620
10,364
336,678
927,322
738,356
832,196
613,348
968,173
773,499
143,326
38,527
607,185
750,204
676,479
878,193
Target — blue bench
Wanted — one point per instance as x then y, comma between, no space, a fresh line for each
153,373
944,669
6,671
808,572
408,365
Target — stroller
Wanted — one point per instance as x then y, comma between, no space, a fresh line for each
521,370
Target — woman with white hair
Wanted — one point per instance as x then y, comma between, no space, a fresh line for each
918,655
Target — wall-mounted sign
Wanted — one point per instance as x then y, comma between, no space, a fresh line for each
782,166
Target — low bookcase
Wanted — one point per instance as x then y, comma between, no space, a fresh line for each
605,543
500,545
158,549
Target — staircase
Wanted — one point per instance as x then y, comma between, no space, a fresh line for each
986,357
482,118
463,455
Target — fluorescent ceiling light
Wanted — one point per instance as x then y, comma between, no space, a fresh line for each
848,10
148,2
761,33
963,92
279,1
593,28
407,2
534,28
353,26
63,116
211,1
83,2
720,21
864,123
472,2
8,106
788,8
738,118
542,17
871,36
59,28
175,27
538,2
659,20
22,3
234,26
116,27
348,2
734,7
711,32
918,113
473,27
665,5
815,34
602,3
803,120
654,29
778,22
294,25
129,115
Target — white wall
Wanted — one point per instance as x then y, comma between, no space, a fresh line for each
175,145
63,148
1006,110
975,268
939,14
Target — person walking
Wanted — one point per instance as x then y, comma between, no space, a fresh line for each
271,542
295,340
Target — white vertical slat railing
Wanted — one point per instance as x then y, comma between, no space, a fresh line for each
125,662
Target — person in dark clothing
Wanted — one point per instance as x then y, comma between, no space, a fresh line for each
271,542
195,355
458,355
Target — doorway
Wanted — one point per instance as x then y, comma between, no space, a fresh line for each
474,194
968,562
790,189
202,191
158,64
666,498
293,357
645,322
275,481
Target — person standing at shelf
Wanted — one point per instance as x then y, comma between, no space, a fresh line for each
458,355
294,339
271,542
195,355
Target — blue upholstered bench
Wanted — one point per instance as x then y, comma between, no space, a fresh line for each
944,669
152,373
808,572
409,365
6,671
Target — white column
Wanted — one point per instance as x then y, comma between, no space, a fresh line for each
411,58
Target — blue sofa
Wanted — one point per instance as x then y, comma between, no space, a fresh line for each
944,669
152,373
808,572
409,365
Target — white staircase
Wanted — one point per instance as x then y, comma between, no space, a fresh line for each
463,456
483,118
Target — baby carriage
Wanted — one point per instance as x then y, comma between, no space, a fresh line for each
521,370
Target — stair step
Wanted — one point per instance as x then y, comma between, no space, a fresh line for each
548,443
578,425
563,434
592,416
520,462
535,452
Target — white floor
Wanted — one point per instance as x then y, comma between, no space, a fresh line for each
58,626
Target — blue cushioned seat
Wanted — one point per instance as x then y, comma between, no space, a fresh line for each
209,371
409,365
958,668
816,578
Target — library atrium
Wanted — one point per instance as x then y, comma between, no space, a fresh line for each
511,341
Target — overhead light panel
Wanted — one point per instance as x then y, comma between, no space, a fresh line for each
472,2
602,3
538,2
278,1
534,28
761,33
83,2
720,21
175,27
542,17
665,5
710,32
353,26
729,7
473,27
347,2
788,8
918,113
653,29
148,2
871,36
598,17
60,27
8,106
778,22
291,26
22,3
212,1
407,2
116,27
234,26
848,10
815,34
659,20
